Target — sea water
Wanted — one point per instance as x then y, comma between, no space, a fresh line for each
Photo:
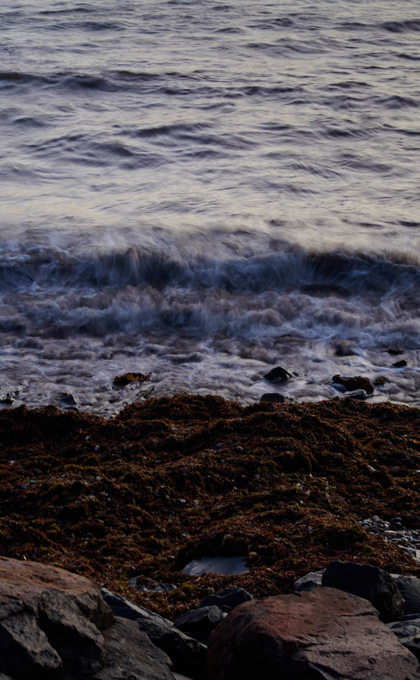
202,190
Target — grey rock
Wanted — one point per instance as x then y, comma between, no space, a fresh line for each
408,633
130,655
227,599
409,587
309,581
200,622
273,398
369,582
187,654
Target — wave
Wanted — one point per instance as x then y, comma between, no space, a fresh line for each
292,269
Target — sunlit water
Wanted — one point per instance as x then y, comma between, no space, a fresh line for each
204,190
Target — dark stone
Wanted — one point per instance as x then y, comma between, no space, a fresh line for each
324,634
408,633
409,587
369,582
130,655
54,624
278,375
273,398
187,654
200,622
227,599
68,399
400,364
351,383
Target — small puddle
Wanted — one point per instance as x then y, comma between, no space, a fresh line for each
216,565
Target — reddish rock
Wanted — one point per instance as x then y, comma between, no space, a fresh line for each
321,634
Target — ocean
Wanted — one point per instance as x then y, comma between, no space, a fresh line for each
201,191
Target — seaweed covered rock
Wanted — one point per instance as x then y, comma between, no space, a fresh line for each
353,383
320,634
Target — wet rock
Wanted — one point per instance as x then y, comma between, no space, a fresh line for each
200,622
344,348
320,634
395,350
357,394
352,383
309,581
409,587
187,654
273,398
380,380
369,582
408,633
227,599
399,364
278,375
7,399
67,399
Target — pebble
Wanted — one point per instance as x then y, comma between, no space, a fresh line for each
393,530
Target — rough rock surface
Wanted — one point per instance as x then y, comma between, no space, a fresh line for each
55,624
352,383
369,582
322,634
408,633
187,654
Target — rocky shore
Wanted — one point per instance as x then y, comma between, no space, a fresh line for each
281,488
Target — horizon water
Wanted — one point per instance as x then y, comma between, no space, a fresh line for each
202,191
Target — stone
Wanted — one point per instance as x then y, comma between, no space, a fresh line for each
309,581
200,622
323,634
399,364
369,582
408,632
130,655
45,614
409,587
352,383
187,654
278,375
227,599
54,624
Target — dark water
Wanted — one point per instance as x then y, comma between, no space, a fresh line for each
204,190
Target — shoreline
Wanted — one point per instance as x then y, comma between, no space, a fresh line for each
171,480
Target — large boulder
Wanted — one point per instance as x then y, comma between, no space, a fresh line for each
321,634
55,624
200,622
372,583
187,654
227,599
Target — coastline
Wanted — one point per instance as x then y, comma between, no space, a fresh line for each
173,479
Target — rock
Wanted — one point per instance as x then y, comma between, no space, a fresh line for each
56,624
352,383
409,587
278,375
127,378
130,655
322,634
227,599
357,394
309,581
46,614
399,364
408,633
187,654
67,399
200,622
369,582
